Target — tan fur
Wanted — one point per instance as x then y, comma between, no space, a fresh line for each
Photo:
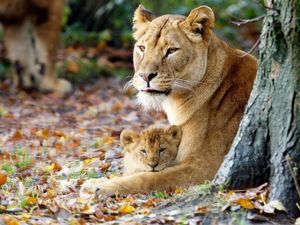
202,84
32,29
152,150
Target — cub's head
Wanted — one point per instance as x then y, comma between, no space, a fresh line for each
170,54
153,149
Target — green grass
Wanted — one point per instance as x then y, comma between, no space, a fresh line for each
205,188
8,169
160,194
22,156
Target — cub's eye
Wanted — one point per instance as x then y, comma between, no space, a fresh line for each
162,150
171,51
143,151
141,47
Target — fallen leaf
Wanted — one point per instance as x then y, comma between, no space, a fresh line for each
202,210
126,208
275,204
10,220
105,166
178,190
3,177
31,200
73,67
245,203
109,140
53,167
17,136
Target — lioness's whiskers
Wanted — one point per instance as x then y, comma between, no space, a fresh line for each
128,86
183,86
186,81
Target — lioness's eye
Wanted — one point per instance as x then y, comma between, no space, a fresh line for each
161,150
143,151
141,47
171,51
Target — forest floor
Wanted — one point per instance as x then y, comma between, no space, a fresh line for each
50,144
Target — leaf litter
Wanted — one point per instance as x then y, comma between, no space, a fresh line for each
50,144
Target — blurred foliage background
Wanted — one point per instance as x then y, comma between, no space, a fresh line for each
96,35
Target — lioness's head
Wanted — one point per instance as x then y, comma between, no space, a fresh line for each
170,54
153,149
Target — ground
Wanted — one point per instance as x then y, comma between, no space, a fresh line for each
50,144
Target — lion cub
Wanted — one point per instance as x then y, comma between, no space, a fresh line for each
152,150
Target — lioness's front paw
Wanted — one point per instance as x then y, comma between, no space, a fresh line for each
109,187
89,187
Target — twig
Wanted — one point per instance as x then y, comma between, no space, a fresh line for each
289,162
252,49
245,21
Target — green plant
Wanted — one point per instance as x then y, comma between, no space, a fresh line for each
8,169
23,158
205,188
160,194
92,174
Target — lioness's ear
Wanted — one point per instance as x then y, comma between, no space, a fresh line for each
141,19
175,132
200,21
127,137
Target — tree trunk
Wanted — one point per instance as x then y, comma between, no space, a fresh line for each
267,145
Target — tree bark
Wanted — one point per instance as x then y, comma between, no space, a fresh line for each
267,145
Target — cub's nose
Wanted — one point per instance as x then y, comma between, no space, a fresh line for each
153,164
148,76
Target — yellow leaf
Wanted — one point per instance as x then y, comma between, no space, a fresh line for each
178,190
109,140
112,176
61,140
25,215
126,209
74,222
245,203
88,161
263,198
31,200
53,167
10,220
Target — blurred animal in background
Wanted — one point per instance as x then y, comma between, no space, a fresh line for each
31,37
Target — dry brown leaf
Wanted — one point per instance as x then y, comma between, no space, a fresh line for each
17,136
105,166
73,67
3,177
202,210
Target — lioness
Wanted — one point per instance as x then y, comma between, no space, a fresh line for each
32,29
152,150
199,81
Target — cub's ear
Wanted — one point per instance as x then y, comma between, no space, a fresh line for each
175,132
141,19
127,137
200,21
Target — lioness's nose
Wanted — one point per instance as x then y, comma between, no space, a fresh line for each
153,164
148,76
